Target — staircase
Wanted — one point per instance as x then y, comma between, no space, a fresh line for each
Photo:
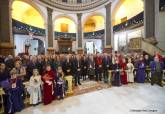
150,48
147,45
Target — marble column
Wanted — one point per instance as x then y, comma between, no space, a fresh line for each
6,36
150,20
157,18
108,25
79,32
50,28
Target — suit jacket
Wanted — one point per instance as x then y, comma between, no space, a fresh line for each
74,65
91,64
106,63
153,66
98,62
68,66
84,63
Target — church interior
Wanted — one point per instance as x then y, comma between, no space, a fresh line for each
82,56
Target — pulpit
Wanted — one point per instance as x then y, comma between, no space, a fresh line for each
50,50
108,49
80,51
69,80
135,44
6,49
65,45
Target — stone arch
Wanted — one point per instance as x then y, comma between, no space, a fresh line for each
93,14
88,18
33,4
126,8
114,11
65,16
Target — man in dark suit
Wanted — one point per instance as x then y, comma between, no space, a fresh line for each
156,71
106,67
84,68
76,66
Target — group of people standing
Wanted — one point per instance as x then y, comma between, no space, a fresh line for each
46,73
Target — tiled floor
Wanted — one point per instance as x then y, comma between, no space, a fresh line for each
127,99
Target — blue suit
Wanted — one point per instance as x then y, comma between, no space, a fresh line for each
155,73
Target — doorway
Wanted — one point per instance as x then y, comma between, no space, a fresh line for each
65,46
90,47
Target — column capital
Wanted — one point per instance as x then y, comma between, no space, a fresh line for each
108,5
49,10
79,15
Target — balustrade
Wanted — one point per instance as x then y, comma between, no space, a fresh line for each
94,35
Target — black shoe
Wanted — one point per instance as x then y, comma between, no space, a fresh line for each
61,98
34,105
160,85
79,83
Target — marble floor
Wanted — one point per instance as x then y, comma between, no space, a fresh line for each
129,99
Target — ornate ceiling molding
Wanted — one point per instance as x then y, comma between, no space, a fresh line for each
75,7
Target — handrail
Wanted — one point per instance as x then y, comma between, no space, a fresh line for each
150,48
22,28
95,34
19,27
65,35
139,18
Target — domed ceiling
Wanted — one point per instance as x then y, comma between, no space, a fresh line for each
94,23
75,5
25,13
